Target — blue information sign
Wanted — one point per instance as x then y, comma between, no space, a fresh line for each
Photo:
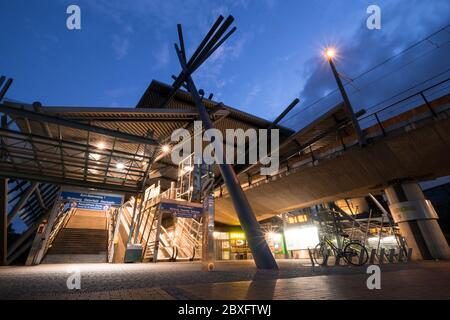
90,201
181,210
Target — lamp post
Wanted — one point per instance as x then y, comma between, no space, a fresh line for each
330,53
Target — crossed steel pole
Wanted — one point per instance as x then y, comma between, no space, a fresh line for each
213,40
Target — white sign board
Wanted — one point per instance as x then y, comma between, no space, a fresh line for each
412,210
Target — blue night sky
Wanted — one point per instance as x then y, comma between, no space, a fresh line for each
274,56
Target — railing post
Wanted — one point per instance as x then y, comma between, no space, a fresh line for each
428,105
380,124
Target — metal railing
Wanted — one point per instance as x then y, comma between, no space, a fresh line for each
62,220
374,125
406,104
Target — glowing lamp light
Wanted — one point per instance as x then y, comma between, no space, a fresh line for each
301,238
274,236
95,156
120,165
101,145
165,148
330,53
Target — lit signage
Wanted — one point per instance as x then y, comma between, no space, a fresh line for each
92,201
301,218
181,209
301,238
237,235
412,210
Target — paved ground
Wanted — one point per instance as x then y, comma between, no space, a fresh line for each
230,280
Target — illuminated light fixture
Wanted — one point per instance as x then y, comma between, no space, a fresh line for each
330,53
165,148
237,236
301,238
95,156
273,236
120,165
101,145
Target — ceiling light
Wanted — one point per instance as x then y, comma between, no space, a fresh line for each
120,165
165,148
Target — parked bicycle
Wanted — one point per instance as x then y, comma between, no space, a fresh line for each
353,253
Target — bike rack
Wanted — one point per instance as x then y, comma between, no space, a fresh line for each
391,257
310,253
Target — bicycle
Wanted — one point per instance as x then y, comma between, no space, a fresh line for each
353,253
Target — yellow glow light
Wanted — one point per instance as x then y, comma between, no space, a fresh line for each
120,165
165,148
237,235
330,53
101,145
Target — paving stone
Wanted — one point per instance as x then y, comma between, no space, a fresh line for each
230,280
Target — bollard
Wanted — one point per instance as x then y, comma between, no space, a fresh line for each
325,257
382,254
373,253
391,255
408,257
311,257
401,255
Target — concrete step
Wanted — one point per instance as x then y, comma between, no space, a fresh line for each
83,240
79,241
75,258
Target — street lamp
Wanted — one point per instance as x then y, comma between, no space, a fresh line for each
165,148
330,53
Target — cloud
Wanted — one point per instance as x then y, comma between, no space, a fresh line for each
120,45
366,48
162,56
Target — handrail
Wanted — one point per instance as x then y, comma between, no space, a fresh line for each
113,230
404,99
332,152
63,218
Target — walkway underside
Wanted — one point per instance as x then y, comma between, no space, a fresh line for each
418,153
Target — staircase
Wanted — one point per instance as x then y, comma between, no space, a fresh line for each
84,239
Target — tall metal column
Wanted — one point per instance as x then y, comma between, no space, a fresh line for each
3,221
347,104
261,252
214,39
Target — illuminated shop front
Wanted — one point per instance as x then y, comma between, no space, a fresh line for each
231,246
300,234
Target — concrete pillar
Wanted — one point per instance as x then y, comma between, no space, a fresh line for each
417,221
208,253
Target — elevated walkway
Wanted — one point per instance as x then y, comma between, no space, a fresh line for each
411,145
